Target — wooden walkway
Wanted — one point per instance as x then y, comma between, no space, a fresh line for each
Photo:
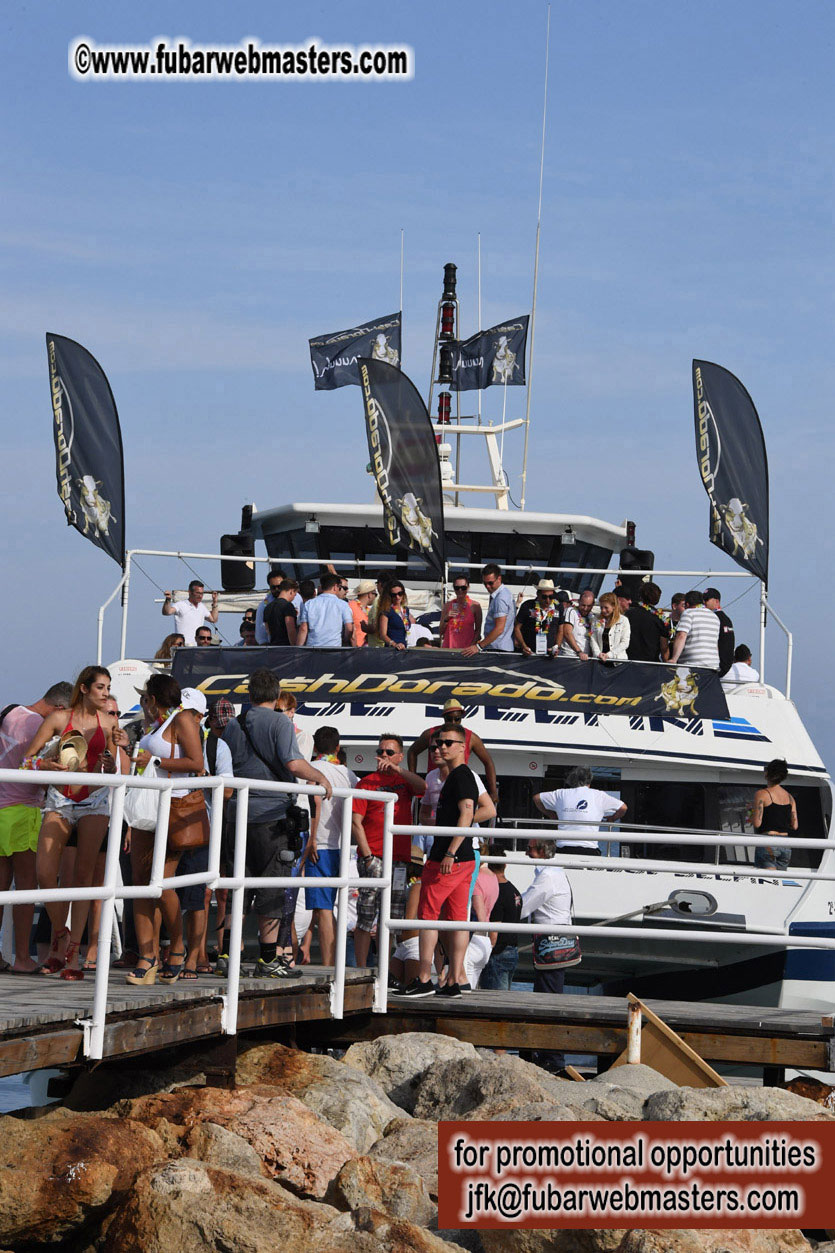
39,1018
741,1034
40,1021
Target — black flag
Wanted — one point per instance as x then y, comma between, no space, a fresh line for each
404,461
88,446
733,465
494,356
335,357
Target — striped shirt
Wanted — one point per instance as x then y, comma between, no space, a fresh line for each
701,648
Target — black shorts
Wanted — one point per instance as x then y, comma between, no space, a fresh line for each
265,844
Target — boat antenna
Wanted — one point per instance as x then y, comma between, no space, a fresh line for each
402,258
536,259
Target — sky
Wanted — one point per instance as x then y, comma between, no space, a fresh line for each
193,236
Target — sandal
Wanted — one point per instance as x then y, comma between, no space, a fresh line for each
189,974
205,969
172,971
144,976
71,974
89,967
54,964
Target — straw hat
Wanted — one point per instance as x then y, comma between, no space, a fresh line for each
72,751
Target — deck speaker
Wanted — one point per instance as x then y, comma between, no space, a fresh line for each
637,559
237,576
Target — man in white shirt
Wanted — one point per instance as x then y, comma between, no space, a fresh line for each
322,851
741,671
500,616
580,808
575,632
192,613
547,900
696,641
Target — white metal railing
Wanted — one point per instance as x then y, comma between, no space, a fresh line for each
238,883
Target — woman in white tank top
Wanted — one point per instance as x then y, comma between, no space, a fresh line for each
173,738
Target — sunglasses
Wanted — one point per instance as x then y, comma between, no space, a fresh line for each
387,752
461,587
448,743
203,639
114,713
393,593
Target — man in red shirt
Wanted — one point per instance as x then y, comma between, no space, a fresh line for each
390,776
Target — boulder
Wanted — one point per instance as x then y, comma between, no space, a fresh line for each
399,1062
735,1241
348,1099
636,1077
733,1104
814,1090
295,1147
414,1142
391,1187
189,1205
56,1173
218,1146
456,1089
548,1240
510,1109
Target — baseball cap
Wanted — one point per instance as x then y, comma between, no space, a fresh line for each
222,711
364,587
452,703
192,698
545,585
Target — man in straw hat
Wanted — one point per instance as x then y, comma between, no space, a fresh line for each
362,600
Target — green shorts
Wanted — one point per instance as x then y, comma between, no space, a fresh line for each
19,827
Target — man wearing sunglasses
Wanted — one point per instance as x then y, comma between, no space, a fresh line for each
448,872
538,621
367,824
501,613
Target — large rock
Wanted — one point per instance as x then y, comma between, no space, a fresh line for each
203,1209
57,1172
736,1241
399,1062
414,1142
457,1088
736,1104
548,1240
295,1146
345,1097
392,1187
218,1146
511,1109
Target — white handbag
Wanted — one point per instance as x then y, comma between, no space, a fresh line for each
142,804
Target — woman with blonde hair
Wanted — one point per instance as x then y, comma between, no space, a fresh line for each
78,809
610,633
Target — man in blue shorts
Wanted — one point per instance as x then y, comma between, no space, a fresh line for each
321,854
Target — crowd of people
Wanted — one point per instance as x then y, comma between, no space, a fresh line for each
55,836
625,624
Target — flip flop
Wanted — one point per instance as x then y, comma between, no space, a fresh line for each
205,969
88,967
188,974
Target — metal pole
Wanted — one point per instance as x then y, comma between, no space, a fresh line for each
338,985
95,1048
100,631
402,258
478,393
230,1025
125,593
762,631
536,265
633,1034
383,935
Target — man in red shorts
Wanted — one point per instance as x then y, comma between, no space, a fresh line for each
449,867
367,823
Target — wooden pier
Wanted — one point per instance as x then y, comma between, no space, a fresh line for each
41,1021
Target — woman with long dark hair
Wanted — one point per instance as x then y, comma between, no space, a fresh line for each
775,813
172,736
394,619
70,810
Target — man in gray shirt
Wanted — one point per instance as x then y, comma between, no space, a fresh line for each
263,746
501,613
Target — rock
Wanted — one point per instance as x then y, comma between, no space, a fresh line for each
295,1146
414,1142
469,1239
392,1187
456,1089
99,1089
399,1062
736,1241
548,1240
813,1090
635,1076
348,1099
734,1104
57,1172
218,1146
509,1109
189,1205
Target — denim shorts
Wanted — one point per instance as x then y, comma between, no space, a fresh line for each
97,803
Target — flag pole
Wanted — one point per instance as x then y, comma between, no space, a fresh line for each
402,258
479,315
536,261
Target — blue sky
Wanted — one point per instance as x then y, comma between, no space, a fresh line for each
193,237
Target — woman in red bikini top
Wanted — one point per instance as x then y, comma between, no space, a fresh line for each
85,809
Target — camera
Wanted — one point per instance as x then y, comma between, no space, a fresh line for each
294,825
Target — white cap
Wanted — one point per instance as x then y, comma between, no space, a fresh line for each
191,698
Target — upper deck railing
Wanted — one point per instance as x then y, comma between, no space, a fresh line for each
392,563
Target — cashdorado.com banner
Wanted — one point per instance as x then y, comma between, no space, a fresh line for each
523,682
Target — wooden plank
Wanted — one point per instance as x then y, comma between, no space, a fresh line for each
665,1051
59,1048
155,1031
